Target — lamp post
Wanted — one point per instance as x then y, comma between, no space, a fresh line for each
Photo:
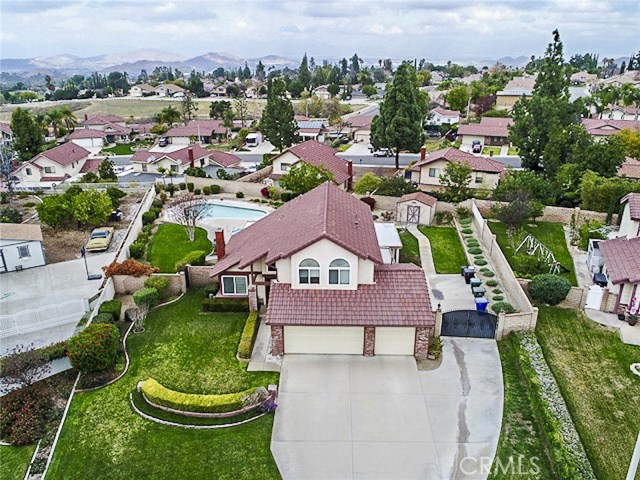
95,276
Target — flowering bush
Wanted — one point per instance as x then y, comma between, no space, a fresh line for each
129,267
23,415
95,348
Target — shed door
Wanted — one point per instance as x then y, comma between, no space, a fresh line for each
395,340
413,214
337,340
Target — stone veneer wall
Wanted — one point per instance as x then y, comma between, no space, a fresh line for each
422,342
127,284
277,340
199,276
369,341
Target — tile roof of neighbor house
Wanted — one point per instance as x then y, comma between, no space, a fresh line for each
54,179
445,113
20,231
224,159
630,168
111,128
301,118
91,165
360,121
326,212
420,197
605,126
317,154
144,86
5,128
180,156
633,200
172,87
399,297
488,127
87,133
452,154
204,128
102,120
66,154
622,258
142,128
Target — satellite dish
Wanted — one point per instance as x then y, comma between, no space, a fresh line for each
53,185
151,159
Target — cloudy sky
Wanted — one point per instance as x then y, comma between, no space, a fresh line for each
434,29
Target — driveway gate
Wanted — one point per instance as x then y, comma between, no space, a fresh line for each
469,323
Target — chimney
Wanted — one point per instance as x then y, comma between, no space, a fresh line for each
220,245
423,153
191,159
86,117
350,172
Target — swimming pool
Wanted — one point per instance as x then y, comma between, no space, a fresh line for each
217,210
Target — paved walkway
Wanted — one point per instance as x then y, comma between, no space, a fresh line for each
425,250
628,334
261,360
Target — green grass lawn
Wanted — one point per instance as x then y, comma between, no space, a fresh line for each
591,366
185,350
410,252
170,244
549,233
488,150
448,255
513,151
344,146
521,432
14,461
120,149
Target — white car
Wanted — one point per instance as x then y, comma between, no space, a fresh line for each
383,152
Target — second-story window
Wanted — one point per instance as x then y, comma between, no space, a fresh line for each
309,271
339,272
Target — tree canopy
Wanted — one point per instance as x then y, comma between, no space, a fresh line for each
27,134
277,122
304,177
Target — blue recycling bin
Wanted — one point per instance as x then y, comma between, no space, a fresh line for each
481,304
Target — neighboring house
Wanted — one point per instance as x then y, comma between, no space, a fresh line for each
219,91
441,116
178,161
517,88
20,247
313,129
389,241
141,90
629,76
360,126
621,258
313,153
619,113
630,168
630,223
53,166
486,173
491,131
322,92
416,208
169,90
600,129
316,263
6,135
202,131
115,128
583,78
92,140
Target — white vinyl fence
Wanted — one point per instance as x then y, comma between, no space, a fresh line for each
28,321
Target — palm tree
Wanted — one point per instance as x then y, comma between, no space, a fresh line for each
68,118
168,115
54,118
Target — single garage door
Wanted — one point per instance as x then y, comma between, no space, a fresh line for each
395,340
340,340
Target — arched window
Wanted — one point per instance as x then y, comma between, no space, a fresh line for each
309,271
339,272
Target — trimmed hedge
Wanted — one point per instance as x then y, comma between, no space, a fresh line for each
192,402
497,291
197,257
103,318
149,217
48,353
136,249
465,221
248,335
161,284
215,189
113,307
94,349
491,283
474,250
503,307
498,298
467,231
219,304
488,274
548,288
480,261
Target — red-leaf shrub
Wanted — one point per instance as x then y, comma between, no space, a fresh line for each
369,201
129,267
23,415
95,348
264,192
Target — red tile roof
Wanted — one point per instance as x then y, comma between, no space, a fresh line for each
5,128
602,127
488,127
317,154
399,297
630,168
91,165
622,259
300,118
180,156
54,179
633,200
102,120
360,121
326,212
452,154
111,128
224,159
87,133
445,113
420,197
204,128
66,154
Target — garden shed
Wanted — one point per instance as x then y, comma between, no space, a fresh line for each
416,208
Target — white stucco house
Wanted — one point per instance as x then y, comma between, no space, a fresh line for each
54,166
630,223
491,131
141,90
441,116
177,161
89,139
169,90
20,247
6,135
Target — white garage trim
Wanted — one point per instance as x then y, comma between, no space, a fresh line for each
395,340
338,340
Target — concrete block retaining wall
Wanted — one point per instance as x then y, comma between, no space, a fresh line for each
576,297
127,284
199,276
554,214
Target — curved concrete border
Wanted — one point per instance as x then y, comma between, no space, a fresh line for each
635,368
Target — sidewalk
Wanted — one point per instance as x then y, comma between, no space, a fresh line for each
628,334
425,250
261,359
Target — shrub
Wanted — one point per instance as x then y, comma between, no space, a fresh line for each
474,250
480,261
472,242
443,218
491,283
467,231
239,195
498,298
215,189
462,212
182,185
136,249
503,307
368,183
211,289
23,415
115,194
12,215
528,266
190,186
149,217
197,191
465,221
369,201
94,349
103,318
45,354
163,197
286,196
191,402
161,284
112,307
497,291
129,267
157,204
146,297
273,193
264,191
549,289
219,304
197,257
478,257
248,334
206,190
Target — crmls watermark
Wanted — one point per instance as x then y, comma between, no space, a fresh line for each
515,465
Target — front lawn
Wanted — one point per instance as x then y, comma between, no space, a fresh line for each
185,350
448,255
513,151
410,252
120,149
549,233
170,244
489,150
591,366
14,461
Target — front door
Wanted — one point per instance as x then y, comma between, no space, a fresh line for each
413,214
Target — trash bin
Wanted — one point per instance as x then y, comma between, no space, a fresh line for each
468,273
478,292
475,282
463,268
481,304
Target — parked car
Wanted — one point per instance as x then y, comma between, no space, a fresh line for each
383,152
476,146
100,239
163,142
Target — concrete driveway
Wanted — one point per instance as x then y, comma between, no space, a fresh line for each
351,417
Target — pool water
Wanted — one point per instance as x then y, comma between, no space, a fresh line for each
216,210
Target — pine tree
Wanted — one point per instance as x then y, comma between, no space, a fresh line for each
260,75
27,135
399,125
277,122
304,75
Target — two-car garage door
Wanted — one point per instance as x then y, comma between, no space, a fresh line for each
347,340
